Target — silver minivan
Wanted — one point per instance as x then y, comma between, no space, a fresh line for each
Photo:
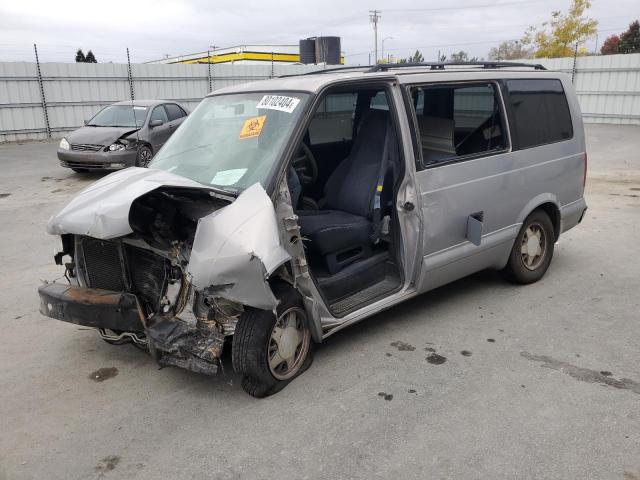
284,210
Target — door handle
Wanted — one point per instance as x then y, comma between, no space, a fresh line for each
408,206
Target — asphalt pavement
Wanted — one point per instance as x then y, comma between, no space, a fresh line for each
541,381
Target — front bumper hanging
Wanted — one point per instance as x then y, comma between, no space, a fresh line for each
91,307
171,341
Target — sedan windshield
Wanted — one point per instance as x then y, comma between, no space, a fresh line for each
119,116
232,141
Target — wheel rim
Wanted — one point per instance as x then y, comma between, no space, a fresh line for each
288,344
145,157
533,247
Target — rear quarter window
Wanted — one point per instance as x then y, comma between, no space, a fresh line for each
540,112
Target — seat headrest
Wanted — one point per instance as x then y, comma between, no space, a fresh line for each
375,120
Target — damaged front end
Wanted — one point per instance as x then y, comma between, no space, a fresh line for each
163,261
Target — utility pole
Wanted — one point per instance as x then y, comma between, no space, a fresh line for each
374,16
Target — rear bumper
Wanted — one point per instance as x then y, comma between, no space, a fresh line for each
91,307
97,160
572,214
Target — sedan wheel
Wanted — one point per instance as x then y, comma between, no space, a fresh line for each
144,157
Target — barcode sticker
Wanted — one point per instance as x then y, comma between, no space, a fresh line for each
278,102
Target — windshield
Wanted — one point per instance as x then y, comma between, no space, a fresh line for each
119,116
232,141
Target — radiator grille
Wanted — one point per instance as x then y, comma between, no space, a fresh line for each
147,272
102,264
86,147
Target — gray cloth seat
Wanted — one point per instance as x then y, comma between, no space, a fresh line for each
346,220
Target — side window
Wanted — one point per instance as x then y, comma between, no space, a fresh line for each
456,121
540,112
159,114
333,120
174,111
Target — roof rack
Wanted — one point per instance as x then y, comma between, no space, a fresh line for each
329,70
383,67
441,65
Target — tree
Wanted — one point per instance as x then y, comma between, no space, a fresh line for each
90,57
80,58
630,40
416,57
462,56
564,31
610,45
510,50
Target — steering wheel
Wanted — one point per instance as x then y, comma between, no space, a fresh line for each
304,163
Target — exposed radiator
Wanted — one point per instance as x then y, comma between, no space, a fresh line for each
144,271
103,267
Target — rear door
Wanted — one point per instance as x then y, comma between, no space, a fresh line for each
463,146
176,115
160,134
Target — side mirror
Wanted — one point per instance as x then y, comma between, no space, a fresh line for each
156,123
86,121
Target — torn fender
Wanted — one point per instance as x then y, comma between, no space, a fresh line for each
102,209
237,248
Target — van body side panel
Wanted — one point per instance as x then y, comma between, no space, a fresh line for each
506,187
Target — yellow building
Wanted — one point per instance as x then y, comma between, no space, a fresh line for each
243,54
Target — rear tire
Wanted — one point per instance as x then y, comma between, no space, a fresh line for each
532,251
144,156
269,351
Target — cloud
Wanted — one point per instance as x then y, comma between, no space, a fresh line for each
154,28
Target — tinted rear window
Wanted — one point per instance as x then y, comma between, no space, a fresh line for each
174,111
540,112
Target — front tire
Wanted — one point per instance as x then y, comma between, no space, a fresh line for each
144,156
532,251
271,350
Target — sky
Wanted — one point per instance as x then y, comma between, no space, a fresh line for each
152,29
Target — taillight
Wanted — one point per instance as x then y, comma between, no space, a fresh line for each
584,177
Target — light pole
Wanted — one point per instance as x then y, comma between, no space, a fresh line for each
385,38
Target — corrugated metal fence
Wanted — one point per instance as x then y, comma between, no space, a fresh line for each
62,95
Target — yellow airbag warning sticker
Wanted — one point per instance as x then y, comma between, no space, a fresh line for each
252,126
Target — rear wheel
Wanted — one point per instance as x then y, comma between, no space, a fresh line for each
144,156
271,350
532,251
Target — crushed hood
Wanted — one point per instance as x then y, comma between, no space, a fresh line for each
102,209
235,248
98,135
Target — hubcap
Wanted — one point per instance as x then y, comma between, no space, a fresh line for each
534,246
288,344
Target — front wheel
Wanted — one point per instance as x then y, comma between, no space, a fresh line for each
144,156
271,350
532,251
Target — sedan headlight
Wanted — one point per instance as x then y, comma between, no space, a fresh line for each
114,147
64,144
